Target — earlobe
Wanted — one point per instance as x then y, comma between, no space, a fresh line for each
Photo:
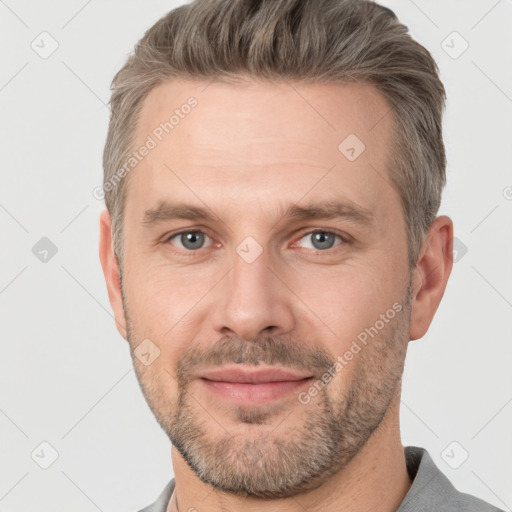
111,272
430,275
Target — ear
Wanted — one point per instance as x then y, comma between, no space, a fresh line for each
111,272
430,275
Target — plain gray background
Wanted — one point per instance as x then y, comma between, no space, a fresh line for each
66,374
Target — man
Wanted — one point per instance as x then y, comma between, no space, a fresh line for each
273,171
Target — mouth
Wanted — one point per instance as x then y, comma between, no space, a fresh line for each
249,386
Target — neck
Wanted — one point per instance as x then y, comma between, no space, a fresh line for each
375,479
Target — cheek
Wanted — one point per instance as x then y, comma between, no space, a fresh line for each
156,292
164,305
347,298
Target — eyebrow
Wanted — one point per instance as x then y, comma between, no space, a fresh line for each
349,210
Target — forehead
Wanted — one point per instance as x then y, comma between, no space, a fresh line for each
265,110
260,137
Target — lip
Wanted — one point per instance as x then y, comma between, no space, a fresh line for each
251,387
252,376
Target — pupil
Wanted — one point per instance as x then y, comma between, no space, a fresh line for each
190,240
323,240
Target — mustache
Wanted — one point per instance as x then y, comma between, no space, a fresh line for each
269,350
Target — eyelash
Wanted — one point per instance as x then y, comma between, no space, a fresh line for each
345,239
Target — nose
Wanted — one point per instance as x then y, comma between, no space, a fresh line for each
252,300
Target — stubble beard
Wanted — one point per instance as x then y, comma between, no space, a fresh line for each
271,464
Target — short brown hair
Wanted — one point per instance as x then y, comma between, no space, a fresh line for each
343,41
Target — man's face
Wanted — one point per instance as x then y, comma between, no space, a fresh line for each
255,288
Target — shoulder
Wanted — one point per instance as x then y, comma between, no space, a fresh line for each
431,489
160,505
467,503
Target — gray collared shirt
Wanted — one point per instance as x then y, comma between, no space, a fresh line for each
430,491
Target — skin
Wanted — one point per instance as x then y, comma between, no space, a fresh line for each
247,152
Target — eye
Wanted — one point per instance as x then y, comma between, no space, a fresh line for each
321,240
189,240
193,240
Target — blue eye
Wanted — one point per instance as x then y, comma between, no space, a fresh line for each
321,240
193,240
190,240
